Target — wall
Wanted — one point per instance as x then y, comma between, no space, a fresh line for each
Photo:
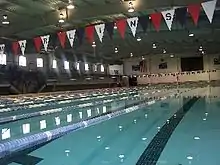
116,68
170,74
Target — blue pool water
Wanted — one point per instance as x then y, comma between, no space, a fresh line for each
134,126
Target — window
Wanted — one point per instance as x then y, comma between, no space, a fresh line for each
86,67
89,112
6,133
95,68
26,128
54,64
69,118
66,65
77,66
22,61
2,59
104,109
80,115
57,120
43,124
40,62
102,68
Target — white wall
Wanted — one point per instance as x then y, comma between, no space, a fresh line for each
170,74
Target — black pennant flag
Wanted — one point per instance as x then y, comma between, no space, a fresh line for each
80,34
110,28
181,14
143,20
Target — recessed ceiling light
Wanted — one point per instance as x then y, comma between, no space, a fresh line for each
191,35
130,7
5,20
196,138
189,157
138,39
70,5
154,46
131,54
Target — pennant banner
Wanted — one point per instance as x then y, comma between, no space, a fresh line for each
45,41
181,14
15,46
22,45
110,28
209,8
143,20
194,11
133,24
62,38
168,17
71,36
90,33
100,31
156,20
37,43
121,26
2,48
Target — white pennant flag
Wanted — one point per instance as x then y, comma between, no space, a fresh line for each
168,17
100,31
71,36
22,45
45,41
209,8
2,48
133,24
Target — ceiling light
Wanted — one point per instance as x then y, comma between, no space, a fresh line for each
116,51
171,55
138,39
203,52
131,54
191,35
5,20
164,51
154,46
61,20
196,138
115,26
130,7
142,57
70,5
93,45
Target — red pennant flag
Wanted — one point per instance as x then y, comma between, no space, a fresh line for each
121,26
194,11
156,20
90,33
15,46
37,43
62,38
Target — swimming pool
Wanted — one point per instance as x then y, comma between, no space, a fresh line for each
124,126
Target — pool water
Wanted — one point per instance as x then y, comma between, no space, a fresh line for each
172,127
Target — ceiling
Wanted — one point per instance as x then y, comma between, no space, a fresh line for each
30,18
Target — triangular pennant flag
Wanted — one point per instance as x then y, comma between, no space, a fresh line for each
45,41
2,48
209,8
121,26
194,11
110,28
15,46
90,33
143,20
62,38
22,45
80,35
100,31
181,14
133,24
168,17
37,43
156,20
71,36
